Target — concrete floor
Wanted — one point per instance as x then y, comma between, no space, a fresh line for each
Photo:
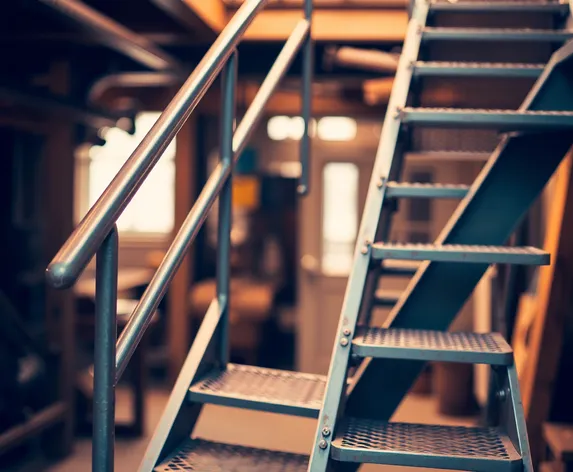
249,428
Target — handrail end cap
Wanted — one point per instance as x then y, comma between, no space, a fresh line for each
59,275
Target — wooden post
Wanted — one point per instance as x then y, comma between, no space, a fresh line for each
58,223
178,322
553,306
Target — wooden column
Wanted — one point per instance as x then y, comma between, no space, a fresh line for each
58,222
553,306
178,322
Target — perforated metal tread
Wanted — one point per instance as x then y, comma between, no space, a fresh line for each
423,190
258,388
496,34
508,120
477,69
499,6
416,445
426,345
461,253
200,455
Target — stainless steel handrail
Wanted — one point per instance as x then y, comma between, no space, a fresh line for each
156,289
97,231
82,245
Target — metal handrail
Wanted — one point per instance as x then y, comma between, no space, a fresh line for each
97,232
82,245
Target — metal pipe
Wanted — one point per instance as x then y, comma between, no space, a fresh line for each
306,95
276,73
104,364
133,332
228,88
135,328
133,79
115,35
368,59
72,258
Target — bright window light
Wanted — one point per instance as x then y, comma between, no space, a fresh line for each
282,127
337,128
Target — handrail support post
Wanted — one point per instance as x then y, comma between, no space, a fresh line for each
104,362
228,89
306,105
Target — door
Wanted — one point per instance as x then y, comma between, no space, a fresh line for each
329,220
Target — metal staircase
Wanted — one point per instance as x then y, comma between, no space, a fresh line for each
353,412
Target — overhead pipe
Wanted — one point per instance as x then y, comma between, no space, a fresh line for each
366,59
115,35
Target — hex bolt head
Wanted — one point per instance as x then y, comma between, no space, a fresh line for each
380,183
326,431
323,444
346,332
344,342
364,250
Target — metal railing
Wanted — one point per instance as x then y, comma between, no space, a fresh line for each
97,234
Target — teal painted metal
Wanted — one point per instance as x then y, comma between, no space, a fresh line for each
351,307
522,163
437,346
499,7
503,120
460,253
496,34
415,190
478,69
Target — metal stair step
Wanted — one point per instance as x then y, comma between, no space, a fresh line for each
201,455
461,253
386,298
417,445
496,34
477,69
499,6
259,388
423,190
427,345
504,120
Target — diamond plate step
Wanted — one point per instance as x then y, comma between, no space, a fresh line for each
507,120
461,253
417,445
477,69
386,298
499,6
496,34
201,455
258,388
426,345
419,190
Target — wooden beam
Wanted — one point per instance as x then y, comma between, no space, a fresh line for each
332,25
211,12
554,305
178,315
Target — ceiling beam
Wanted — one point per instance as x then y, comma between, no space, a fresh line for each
332,25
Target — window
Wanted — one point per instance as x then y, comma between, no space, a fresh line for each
339,217
152,209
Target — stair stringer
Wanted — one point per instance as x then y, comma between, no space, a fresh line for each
521,162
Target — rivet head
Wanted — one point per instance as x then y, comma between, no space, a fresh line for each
344,342
301,189
346,332
326,431
323,444
380,183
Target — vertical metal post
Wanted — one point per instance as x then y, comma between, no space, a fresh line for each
306,90
104,362
228,86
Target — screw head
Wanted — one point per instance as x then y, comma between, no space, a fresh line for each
501,394
323,444
346,332
344,342
326,431
301,189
